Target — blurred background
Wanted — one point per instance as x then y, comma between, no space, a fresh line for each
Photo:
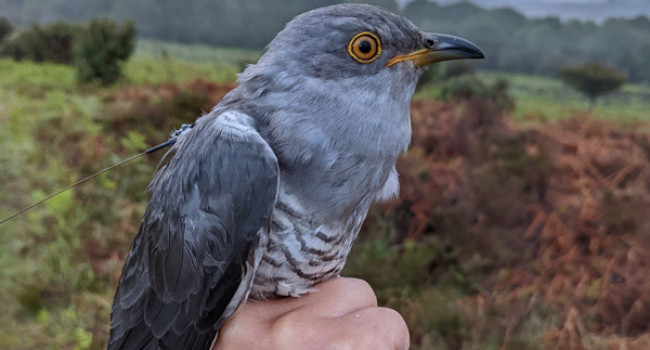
523,216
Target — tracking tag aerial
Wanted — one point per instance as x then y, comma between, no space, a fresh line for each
172,140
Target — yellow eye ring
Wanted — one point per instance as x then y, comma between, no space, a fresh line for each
364,47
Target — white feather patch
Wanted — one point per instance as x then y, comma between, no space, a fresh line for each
390,190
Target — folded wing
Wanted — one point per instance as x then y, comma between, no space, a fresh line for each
208,207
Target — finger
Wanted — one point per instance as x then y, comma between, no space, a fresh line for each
340,296
334,298
368,329
371,329
242,331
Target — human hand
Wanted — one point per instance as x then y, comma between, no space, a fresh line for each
341,315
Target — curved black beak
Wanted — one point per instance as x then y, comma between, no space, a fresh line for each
449,47
440,47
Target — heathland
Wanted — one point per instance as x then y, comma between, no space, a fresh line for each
522,221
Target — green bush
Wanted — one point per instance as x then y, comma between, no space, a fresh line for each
102,48
430,76
592,79
97,50
457,69
438,73
5,28
52,43
466,87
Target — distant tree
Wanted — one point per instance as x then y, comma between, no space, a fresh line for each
641,23
641,59
52,43
592,79
5,28
102,49
387,4
461,9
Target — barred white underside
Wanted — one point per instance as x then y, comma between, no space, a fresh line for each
300,253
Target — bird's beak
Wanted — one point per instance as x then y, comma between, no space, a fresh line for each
441,47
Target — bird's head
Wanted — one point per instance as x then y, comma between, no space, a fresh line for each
345,73
356,40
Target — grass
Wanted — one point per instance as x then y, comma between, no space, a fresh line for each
156,62
539,98
34,253
141,70
30,77
196,53
550,99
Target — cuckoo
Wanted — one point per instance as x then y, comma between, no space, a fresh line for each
265,194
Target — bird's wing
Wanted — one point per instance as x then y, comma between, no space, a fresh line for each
208,207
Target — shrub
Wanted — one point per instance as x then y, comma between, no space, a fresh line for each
5,28
431,75
53,43
439,73
102,48
457,69
97,50
592,79
466,87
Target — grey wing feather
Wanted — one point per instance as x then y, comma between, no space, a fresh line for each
189,257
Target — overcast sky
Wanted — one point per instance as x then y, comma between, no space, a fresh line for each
596,10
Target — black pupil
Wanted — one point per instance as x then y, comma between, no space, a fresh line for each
365,46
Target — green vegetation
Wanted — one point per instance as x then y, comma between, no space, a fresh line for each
103,47
98,50
538,98
50,43
157,62
467,87
592,79
196,53
451,254
34,79
541,98
5,28
62,260
40,254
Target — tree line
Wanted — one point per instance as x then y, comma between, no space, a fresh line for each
511,41
515,43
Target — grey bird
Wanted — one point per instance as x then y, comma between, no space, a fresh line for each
265,195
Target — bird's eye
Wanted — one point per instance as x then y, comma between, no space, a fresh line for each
364,47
